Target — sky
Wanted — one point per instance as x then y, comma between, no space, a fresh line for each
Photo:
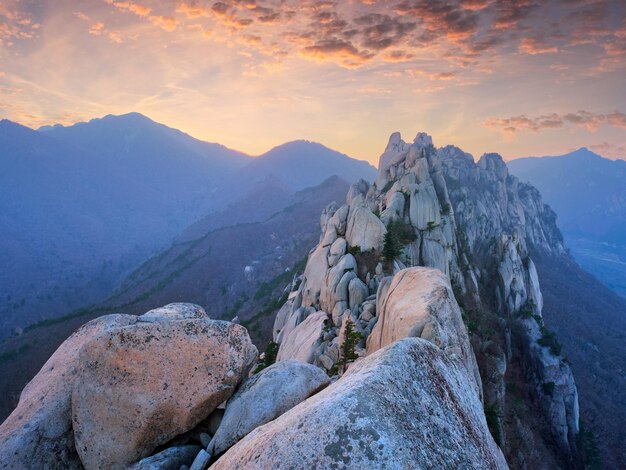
517,77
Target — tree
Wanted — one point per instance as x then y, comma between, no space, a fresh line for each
352,338
391,245
347,352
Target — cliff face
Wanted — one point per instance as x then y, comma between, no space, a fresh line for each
476,224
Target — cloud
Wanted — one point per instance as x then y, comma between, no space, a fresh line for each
434,76
337,49
96,28
167,23
136,8
15,25
610,150
535,46
193,10
511,126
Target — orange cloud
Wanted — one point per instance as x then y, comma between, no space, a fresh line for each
193,10
136,8
167,23
533,46
591,121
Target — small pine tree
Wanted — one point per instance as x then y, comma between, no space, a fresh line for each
391,245
348,354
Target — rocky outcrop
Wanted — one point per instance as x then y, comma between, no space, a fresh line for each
419,302
264,397
409,405
478,226
301,342
40,429
140,385
365,230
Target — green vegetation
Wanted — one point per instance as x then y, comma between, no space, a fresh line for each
527,310
399,234
268,287
13,353
347,353
387,187
588,448
445,208
493,416
548,340
391,247
548,388
354,250
431,225
271,351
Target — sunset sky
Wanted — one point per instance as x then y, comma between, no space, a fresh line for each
519,78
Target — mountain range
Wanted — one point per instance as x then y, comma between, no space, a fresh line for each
82,206
236,241
588,192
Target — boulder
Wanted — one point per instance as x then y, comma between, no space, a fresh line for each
264,397
282,317
301,342
138,386
174,311
335,286
409,405
314,273
364,229
169,459
337,250
419,302
40,428
357,293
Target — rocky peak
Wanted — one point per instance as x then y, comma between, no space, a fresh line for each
474,223
422,139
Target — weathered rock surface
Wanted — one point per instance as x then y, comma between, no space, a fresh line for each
174,311
409,405
365,230
39,431
419,302
301,342
169,459
141,385
264,397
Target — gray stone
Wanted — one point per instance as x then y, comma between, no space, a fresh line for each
169,459
264,397
409,405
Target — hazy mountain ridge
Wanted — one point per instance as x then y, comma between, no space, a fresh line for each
83,205
589,194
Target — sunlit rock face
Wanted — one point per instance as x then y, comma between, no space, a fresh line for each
408,405
477,225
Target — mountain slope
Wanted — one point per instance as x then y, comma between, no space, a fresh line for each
81,205
206,264
588,193
303,164
297,165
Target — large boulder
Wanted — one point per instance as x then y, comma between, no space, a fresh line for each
301,342
409,405
264,397
419,302
39,431
140,385
364,229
